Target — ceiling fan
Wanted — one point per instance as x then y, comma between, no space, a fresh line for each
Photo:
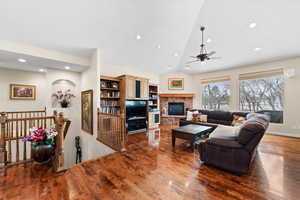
203,56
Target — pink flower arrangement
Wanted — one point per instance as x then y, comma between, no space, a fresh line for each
41,136
63,97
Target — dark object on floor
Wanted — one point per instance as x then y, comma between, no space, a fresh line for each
190,132
78,150
235,155
42,153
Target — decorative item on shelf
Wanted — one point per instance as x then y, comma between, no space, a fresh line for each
176,83
22,92
87,111
63,98
43,143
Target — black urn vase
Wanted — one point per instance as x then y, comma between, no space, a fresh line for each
42,153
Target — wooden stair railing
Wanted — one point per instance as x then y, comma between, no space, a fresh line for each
112,130
26,114
13,130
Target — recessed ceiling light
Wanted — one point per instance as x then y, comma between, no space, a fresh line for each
42,70
257,49
22,60
252,25
169,67
176,54
67,67
138,37
208,40
158,46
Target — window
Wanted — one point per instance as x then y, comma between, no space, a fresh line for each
263,93
216,94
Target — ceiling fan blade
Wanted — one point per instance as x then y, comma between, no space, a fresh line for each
194,57
211,53
192,61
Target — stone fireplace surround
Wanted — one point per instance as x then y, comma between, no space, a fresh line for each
166,119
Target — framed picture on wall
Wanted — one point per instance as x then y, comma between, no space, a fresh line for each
176,83
87,111
22,92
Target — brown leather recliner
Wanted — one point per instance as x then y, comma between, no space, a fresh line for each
235,155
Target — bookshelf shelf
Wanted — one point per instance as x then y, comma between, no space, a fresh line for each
110,95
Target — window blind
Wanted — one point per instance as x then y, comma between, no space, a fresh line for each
261,74
216,79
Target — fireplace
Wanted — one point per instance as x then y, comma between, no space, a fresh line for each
175,108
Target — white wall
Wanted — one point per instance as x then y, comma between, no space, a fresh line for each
188,83
44,90
71,113
90,80
8,77
291,125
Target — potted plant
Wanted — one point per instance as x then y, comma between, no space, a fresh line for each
43,143
63,98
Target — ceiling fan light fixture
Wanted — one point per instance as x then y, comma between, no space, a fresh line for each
204,54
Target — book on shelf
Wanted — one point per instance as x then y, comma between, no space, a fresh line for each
114,94
109,84
111,103
110,110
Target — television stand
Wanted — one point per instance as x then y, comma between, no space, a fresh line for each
136,124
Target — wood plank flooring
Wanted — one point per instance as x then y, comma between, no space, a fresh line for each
152,169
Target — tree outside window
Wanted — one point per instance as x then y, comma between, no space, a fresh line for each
216,96
263,95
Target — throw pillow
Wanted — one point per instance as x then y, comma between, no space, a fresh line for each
189,115
225,132
238,120
203,118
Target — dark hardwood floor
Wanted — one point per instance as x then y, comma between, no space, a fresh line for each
154,170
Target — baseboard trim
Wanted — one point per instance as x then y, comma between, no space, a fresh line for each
296,135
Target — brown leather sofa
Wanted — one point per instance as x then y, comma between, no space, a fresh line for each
235,155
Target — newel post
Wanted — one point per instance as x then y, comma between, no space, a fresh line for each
3,121
59,142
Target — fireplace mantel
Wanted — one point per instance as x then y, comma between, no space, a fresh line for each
176,95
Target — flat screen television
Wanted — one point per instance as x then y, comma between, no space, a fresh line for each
136,108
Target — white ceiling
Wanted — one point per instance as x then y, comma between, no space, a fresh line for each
34,63
111,25
227,22
77,27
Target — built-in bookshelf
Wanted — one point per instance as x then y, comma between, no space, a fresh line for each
153,98
110,95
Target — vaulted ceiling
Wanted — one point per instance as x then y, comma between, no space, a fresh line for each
169,30
112,25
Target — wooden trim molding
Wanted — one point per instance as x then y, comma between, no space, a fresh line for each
177,95
261,74
215,79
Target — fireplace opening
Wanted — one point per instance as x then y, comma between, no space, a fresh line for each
175,108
